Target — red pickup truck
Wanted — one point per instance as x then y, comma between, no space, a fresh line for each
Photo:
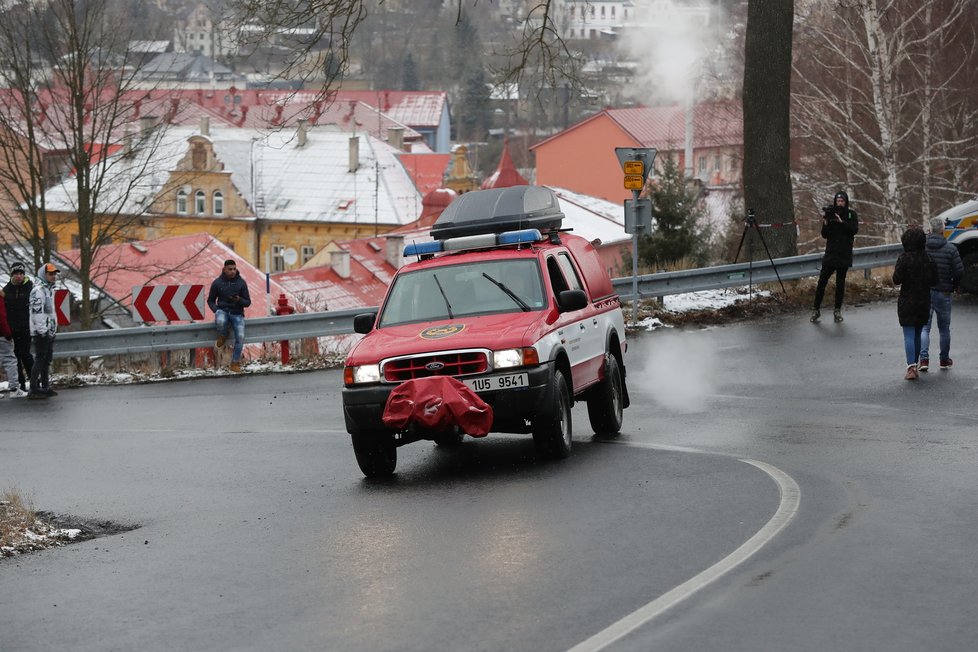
505,302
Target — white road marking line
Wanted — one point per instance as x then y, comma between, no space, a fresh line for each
790,499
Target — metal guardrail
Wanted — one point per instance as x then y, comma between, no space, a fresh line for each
758,271
146,339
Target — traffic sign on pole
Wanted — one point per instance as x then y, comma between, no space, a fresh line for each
62,307
636,163
168,303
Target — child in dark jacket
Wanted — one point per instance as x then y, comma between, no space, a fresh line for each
915,273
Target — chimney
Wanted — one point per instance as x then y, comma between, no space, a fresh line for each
340,262
146,125
205,125
354,153
395,137
300,133
127,141
393,252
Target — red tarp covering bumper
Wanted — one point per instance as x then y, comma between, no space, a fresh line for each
437,403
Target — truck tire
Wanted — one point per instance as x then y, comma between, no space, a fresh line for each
605,402
969,282
552,431
376,453
449,439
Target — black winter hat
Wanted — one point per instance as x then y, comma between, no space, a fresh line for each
18,268
842,194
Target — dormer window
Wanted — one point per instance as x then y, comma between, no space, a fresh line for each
182,201
200,202
218,202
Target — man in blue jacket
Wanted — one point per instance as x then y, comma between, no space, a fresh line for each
227,299
949,272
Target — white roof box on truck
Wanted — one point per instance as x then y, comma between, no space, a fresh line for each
497,210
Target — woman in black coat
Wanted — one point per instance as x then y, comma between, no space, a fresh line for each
915,273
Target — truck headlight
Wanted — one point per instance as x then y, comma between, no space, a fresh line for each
367,373
507,358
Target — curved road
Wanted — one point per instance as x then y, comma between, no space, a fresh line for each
258,532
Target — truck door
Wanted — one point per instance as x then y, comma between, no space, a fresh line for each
585,345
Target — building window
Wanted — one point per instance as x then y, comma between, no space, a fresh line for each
278,258
602,11
592,11
717,163
612,11
702,164
200,202
218,202
75,241
308,251
182,201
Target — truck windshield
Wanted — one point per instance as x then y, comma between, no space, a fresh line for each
467,289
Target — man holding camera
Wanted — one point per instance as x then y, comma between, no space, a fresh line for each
839,227
228,298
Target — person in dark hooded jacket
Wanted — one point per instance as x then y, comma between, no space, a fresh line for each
17,295
228,297
915,273
839,227
950,269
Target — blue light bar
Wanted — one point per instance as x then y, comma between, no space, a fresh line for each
423,248
469,242
519,237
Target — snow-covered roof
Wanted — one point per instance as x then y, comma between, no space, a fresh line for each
311,182
592,218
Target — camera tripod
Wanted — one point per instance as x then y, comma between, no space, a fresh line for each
751,222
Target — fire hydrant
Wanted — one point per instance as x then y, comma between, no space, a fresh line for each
283,308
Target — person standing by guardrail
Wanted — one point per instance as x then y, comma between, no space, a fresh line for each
7,358
950,270
17,297
44,328
227,299
915,273
839,227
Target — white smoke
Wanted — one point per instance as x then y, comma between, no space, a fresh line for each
680,378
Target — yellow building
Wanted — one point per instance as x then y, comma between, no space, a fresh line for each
275,197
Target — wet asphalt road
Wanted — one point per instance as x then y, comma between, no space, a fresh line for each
258,531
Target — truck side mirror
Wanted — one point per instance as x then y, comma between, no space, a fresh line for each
364,323
571,300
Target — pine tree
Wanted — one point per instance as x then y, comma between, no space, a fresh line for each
676,229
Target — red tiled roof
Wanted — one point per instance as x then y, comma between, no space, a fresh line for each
427,170
664,127
185,260
321,288
506,174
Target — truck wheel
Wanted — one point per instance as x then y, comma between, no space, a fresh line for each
605,404
376,453
552,432
449,440
969,282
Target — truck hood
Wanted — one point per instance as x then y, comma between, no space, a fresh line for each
501,331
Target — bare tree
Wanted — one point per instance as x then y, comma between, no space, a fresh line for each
536,53
883,104
70,91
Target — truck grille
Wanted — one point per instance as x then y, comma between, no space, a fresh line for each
449,363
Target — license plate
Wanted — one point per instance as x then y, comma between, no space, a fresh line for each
491,383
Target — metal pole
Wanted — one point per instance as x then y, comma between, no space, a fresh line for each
634,278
